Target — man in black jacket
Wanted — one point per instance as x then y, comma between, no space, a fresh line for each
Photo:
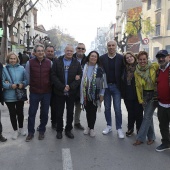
80,56
113,66
66,74
2,139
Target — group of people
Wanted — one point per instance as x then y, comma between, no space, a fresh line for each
84,82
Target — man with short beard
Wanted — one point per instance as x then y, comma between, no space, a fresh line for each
80,56
113,66
163,88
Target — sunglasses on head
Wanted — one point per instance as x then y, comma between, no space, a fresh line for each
80,48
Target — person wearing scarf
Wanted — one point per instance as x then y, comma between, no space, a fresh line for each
145,78
92,89
134,109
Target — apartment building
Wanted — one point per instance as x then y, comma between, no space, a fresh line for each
158,12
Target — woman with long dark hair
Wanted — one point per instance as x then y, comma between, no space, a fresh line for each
134,109
92,89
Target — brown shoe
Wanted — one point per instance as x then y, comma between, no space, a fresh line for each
41,136
137,143
29,138
150,142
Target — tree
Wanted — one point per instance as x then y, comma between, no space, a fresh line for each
59,39
123,42
23,7
136,25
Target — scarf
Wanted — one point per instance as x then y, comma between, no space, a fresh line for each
130,69
144,72
89,86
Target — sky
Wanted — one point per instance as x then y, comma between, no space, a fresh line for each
79,18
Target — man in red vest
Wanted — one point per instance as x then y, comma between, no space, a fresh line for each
38,72
163,88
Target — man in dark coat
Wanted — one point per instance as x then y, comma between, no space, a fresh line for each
2,139
113,66
66,74
80,56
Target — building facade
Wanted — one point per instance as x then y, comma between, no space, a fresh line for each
158,11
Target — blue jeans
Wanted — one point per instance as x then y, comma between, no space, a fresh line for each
113,91
147,127
35,99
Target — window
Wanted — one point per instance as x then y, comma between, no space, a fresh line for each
149,5
158,4
168,19
158,24
168,48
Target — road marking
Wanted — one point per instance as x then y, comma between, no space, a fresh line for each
67,162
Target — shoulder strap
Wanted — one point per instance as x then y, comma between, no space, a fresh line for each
9,75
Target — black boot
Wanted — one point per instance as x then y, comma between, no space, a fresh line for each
2,139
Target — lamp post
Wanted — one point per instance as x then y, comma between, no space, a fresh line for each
28,40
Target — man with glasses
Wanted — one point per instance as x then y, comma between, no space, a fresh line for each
80,56
163,88
49,53
38,72
66,74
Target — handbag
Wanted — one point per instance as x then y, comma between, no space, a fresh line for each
21,94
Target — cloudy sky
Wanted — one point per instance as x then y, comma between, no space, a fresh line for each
79,18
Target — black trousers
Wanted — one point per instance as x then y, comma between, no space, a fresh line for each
53,106
135,113
164,120
91,110
61,101
16,113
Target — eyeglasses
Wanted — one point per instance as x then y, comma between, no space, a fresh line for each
40,51
80,48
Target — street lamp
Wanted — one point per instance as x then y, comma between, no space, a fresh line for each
28,40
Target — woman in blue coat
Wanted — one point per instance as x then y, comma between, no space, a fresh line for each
15,107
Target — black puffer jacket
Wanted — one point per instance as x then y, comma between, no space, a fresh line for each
58,76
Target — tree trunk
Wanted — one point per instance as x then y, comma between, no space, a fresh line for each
4,42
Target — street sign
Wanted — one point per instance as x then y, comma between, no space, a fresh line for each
145,41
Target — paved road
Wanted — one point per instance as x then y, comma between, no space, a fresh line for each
82,153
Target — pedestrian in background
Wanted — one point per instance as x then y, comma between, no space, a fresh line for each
2,138
145,78
80,56
25,58
66,74
163,88
134,109
113,66
14,77
38,72
92,89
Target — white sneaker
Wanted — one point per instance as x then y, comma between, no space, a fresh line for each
107,130
22,132
86,131
92,133
15,135
120,133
